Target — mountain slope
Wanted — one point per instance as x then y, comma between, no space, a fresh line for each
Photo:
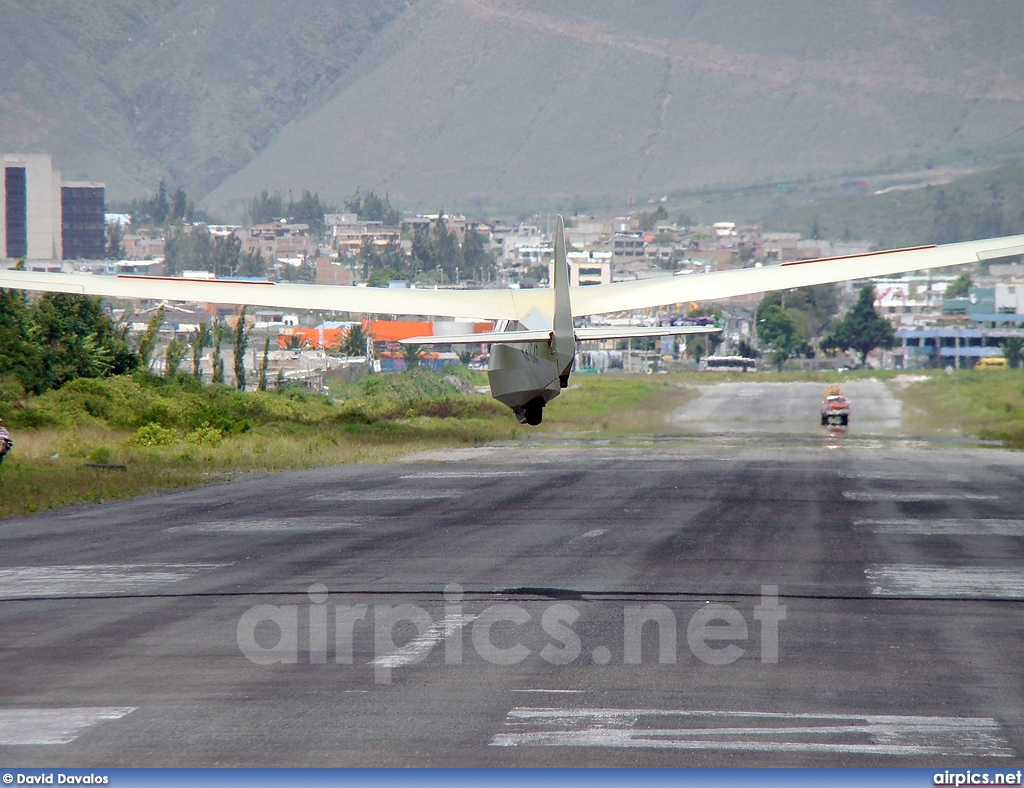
128,92
503,98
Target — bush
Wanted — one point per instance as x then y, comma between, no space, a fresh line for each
101,455
204,435
153,435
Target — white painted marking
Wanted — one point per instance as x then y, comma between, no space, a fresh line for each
30,581
280,525
388,495
551,691
466,474
899,476
890,495
943,581
946,527
595,533
28,727
417,648
753,731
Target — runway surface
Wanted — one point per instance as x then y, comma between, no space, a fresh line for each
826,603
786,407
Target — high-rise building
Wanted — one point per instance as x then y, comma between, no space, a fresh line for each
82,225
42,218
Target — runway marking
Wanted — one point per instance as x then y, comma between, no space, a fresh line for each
942,581
887,495
593,534
417,648
388,495
753,731
466,474
30,581
552,691
28,727
897,476
946,527
279,525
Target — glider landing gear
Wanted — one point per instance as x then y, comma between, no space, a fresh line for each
531,413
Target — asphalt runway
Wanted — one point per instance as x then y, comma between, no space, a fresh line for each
698,604
786,407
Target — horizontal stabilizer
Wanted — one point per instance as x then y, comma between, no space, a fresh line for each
487,338
582,334
626,332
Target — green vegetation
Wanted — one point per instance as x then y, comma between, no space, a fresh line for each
780,330
982,205
861,328
988,404
176,432
56,338
308,210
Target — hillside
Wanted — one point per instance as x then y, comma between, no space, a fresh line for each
982,205
512,99
189,90
476,102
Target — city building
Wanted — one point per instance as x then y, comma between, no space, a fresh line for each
45,219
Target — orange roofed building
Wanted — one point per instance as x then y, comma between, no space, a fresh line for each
379,330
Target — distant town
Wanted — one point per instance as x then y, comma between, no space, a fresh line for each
947,318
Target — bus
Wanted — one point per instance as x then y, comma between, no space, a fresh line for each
991,362
726,364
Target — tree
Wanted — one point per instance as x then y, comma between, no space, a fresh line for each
58,338
649,219
1013,349
201,339
265,208
960,287
218,360
251,264
21,356
412,355
812,307
355,341
115,249
779,329
862,329
176,351
262,385
475,256
147,342
309,210
241,343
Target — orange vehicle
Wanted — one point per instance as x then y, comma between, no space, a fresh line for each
835,408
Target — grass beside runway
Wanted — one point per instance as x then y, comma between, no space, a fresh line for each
170,434
987,404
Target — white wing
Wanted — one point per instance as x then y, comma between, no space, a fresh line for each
481,304
624,296
516,304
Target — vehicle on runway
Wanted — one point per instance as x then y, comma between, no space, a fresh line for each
835,408
533,346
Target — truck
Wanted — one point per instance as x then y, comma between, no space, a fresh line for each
835,408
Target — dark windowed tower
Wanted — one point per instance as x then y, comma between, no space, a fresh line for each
82,226
16,214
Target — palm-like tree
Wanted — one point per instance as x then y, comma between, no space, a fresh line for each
412,355
355,341
1013,349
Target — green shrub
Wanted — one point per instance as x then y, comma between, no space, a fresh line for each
101,455
204,435
153,435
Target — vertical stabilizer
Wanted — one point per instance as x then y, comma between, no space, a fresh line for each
564,345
